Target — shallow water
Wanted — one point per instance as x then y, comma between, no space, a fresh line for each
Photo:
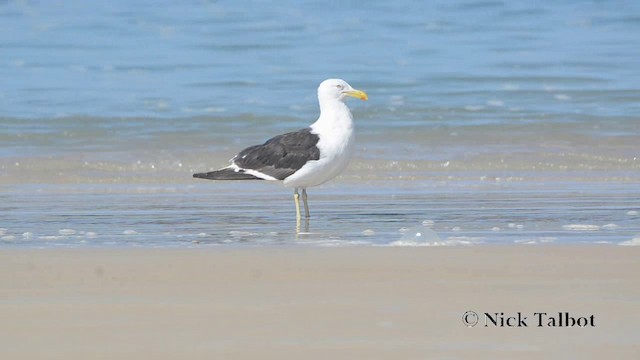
488,122
343,214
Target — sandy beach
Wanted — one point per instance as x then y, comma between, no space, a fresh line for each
319,303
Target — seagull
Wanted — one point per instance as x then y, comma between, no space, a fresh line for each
304,158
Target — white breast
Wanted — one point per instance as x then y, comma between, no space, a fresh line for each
335,132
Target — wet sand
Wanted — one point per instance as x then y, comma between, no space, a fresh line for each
318,303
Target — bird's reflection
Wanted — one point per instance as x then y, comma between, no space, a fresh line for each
302,226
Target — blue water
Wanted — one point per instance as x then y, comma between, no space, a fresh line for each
156,58
489,121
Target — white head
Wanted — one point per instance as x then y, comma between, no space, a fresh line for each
338,89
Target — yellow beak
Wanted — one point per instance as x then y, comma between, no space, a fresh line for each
358,94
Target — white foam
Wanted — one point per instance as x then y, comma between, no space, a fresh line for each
368,232
581,227
610,226
3,231
8,238
27,235
450,241
428,223
464,240
633,242
129,232
66,232
526,242
50,237
630,213
412,243
336,242
562,97
417,236
540,240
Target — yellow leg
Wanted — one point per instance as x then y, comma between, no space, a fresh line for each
306,205
296,199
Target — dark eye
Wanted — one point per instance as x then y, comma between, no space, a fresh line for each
340,86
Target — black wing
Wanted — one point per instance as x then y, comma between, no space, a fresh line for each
282,155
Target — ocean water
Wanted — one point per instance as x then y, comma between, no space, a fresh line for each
489,122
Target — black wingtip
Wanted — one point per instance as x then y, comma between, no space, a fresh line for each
225,174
